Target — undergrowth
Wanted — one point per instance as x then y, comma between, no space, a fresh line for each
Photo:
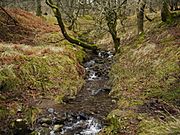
145,81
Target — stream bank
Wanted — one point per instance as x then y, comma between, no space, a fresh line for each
86,113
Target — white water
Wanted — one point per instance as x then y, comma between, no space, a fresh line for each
92,75
92,127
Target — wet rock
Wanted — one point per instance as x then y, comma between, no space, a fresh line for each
20,127
44,125
107,89
60,120
57,128
52,133
50,110
45,120
67,99
41,131
90,63
82,117
114,101
96,92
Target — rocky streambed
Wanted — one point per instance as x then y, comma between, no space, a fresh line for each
86,113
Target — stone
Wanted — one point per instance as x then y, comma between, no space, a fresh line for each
57,128
45,120
50,110
44,125
52,133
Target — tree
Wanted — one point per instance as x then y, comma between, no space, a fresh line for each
165,13
71,11
111,18
140,16
58,15
173,4
38,8
111,11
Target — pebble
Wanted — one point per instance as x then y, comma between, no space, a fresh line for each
19,120
50,110
114,101
57,128
44,125
52,133
45,120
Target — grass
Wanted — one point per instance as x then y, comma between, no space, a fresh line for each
30,73
152,126
146,69
35,63
38,67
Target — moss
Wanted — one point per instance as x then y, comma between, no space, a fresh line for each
87,17
119,122
54,39
156,127
81,56
32,72
8,79
3,112
31,115
48,70
147,69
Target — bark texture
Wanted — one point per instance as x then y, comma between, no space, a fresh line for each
140,16
165,13
111,18
38,8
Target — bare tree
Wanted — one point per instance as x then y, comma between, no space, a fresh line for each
38,8
165,13
140,16
111,18
58,16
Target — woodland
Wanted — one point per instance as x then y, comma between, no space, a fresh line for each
90,67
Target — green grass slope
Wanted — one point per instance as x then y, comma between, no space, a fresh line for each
146,82
35,66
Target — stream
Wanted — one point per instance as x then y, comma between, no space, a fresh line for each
86,113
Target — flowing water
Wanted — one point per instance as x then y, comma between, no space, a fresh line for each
86,113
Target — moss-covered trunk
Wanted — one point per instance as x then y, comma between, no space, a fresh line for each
111,18
38,8
57,14
165,13
140,16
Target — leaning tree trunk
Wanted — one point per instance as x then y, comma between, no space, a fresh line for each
140,16
38,8
57,14
165,13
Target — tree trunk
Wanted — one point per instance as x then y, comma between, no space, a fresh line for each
3,3
150,7
165,13
111,18
140,16
14,20
57,14
38,8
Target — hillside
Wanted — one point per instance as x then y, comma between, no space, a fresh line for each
146,83
49,86
35,65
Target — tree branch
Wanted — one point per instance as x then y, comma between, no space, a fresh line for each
57,14
15,22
